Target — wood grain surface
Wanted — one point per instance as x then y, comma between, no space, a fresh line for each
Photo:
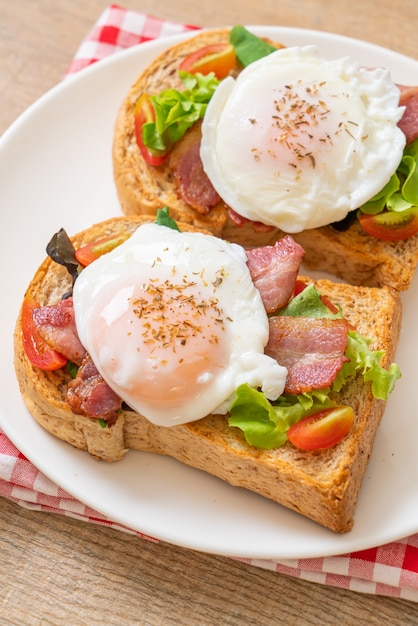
56,570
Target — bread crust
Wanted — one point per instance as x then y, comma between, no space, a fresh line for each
143,189
322,485
352,255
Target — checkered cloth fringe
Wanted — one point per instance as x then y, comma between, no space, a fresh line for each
389,570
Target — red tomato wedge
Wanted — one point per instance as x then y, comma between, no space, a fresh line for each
143,114
323,429
299,287
391,226
92,251
39,353
218,58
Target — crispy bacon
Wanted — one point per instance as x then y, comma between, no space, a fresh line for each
195,188
311,349
56,325
88,394
409,121
274,270
193,185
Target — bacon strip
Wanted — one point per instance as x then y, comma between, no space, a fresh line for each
195,188
88,394
311,349
193,185
56,325
409,121
274,270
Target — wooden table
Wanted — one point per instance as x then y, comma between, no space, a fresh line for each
56,570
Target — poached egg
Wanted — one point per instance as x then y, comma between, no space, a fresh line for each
297,141
174,324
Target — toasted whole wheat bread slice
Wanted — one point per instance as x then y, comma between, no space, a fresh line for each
322,485
352,255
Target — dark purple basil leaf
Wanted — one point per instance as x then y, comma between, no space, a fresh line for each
62,251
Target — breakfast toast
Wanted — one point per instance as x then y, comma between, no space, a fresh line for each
344,249
321,484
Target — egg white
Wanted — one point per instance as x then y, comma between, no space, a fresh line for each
297,141
174,324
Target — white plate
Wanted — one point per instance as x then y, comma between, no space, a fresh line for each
55,168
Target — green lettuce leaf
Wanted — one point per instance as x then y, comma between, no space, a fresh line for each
177,111
163,219
248,47
367,362
265,423
308,303
401,191
361,358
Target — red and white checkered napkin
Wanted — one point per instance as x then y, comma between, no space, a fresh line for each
390,570
117,29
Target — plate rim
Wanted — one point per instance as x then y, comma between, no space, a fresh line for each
85,75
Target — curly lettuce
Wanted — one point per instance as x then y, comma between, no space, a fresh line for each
265,423
177,111
367,362
401,191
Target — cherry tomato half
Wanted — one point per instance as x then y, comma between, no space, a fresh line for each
218,58
39,353
91,251
390,225
323,429
143,114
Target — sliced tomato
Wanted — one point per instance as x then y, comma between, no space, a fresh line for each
143,114
327,302
39,353
323,429
390,225
90,252
300,285
218,58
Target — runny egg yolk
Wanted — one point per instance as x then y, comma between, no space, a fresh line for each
174,324
299,130
179,333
